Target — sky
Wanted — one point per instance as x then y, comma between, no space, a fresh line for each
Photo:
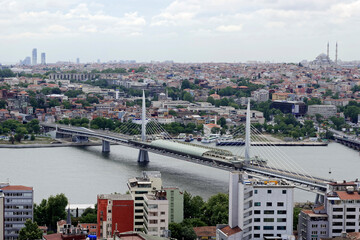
179,30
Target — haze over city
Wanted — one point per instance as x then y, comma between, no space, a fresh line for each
183,31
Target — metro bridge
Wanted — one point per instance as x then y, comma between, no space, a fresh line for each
201,154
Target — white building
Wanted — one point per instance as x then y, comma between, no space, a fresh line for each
261,96
156,213
260,208
324,110
148,183
76,210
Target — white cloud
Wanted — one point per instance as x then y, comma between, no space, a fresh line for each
229,28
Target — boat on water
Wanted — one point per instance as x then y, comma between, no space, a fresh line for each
189,138
182,136
211,138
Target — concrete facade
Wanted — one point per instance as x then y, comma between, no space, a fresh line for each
176,204
324,110
18,207
260,208
115,213
156,213
148,183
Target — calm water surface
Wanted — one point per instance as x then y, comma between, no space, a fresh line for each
82,173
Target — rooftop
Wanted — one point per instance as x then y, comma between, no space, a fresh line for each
115,196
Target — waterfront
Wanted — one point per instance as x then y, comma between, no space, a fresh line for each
82,173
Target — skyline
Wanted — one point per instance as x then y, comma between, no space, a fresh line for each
182,31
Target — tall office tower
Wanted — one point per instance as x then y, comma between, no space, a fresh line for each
78,61
18,207
115,213
336,53
258,208
34,56
148,183
43,58
26,61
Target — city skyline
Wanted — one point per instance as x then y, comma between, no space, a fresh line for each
183,31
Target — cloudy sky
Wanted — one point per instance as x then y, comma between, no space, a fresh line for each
179,30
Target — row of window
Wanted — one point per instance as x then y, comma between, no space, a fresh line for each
347,224
269,204
270,228
316,225
18,194
316,232
347,209
269,191
270,212
270,220
341,216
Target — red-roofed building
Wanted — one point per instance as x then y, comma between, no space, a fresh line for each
206,232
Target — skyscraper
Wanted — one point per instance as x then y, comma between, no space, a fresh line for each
78,61
34,56
43,58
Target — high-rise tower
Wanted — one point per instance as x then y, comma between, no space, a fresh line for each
34,56
43,58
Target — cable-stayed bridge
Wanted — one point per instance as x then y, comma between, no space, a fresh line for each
265,161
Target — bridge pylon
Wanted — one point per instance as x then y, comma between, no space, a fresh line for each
247,134
143,154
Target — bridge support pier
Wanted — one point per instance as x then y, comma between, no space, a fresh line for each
319,199
143,156
105,146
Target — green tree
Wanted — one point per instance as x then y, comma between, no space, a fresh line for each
222,121
192,206
179,231
30,231
55,209
216,210
40,214
3,104
297,211
20,133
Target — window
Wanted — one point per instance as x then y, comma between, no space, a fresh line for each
269,191
269,212
256,227
280,204
350,223
322,232
350,209
162,213
337,224
162,220
337,217
281,220
257,204
281,212
337,209
268,227
255,191
257,212
314,232
269,204
323,225
138,210
314,226
139,198
283,191
350,216
139,204
256,219
268,220
281,227
257,235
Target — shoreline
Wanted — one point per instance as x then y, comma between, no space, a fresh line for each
49,145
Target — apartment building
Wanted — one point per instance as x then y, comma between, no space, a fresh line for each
340,213
17,208
149,182
115,214
258,208
324,110
176,204
156,211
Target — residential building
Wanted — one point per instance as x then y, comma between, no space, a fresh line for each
176,204
18,207
339,213
206,232
115,213
156,211
261,95
324,110
136,236
2,205
148,183
258,208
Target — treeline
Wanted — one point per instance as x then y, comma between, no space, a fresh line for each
4,73
132,128
18,131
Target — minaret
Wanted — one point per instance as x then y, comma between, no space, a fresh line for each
328,56
336,53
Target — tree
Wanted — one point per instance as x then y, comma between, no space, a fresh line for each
222,121
192,206
20,133
215,130
30,231
179,231
216,210
55,209
3,104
